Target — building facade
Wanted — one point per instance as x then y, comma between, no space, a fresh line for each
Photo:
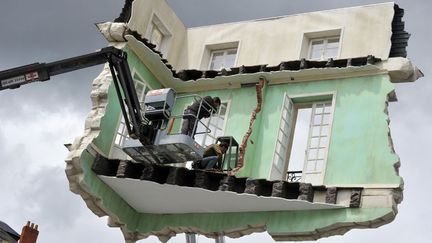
306,96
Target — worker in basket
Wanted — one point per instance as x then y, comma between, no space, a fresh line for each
212,158
199,109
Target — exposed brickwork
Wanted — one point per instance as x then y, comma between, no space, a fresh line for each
29,233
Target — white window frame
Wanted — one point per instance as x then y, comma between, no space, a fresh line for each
121,133
156,22
225,53
212,134
208,48
325,43
284,136
319,180
315,34
154,30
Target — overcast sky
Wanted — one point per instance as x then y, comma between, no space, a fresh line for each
36,120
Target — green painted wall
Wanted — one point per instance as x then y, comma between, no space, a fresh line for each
359,121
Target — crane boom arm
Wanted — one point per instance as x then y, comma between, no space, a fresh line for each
117,59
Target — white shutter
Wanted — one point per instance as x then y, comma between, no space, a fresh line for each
317,146
277,171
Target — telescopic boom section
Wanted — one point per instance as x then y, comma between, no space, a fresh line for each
117,59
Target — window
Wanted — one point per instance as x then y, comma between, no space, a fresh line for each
158,34
316,150
216,124
222,59
321,45
322,49
122,133
156,37
284,134
312,155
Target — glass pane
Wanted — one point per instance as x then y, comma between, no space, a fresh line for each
331,53
327,107
319,109
321,153
281,137
139,90
311,165
317,120
324,131
285,141
315,131
278,148
117,139
312,153
284,113
217,61
323,142
230,58
319,165
156,37
314,142
326,119
316,49
333,43
222,109
280,163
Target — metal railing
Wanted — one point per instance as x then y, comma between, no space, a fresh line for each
294,176
192,116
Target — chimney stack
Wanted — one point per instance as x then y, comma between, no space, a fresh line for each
29,233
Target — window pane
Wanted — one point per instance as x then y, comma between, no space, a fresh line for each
323,142
222,109
156,37
331,53
314,142
317,119
311,164
326,119
316,49
217,61
327,107
139,90
319,109
315,131
284,113
319,165
324,131
230,58
312,153
333,43
320,153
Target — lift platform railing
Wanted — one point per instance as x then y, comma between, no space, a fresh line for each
231,155
197,121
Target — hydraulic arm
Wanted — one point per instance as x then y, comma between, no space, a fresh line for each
125,88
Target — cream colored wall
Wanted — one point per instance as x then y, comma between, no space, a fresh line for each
365,30
142,14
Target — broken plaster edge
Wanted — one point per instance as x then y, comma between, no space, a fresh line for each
335,229
73,170
401,69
